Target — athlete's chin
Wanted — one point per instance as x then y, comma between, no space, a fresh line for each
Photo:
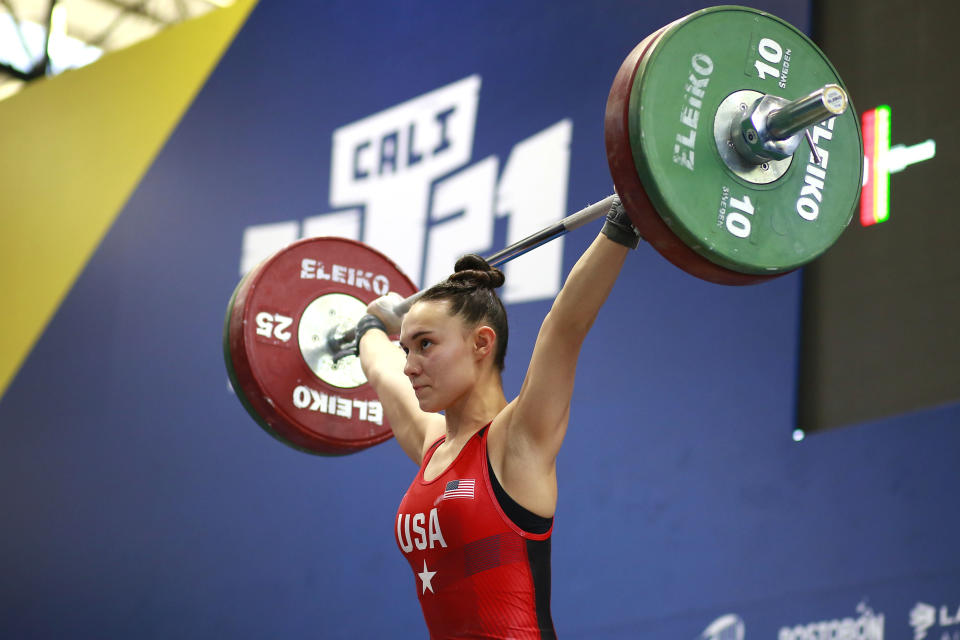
428,401
429,406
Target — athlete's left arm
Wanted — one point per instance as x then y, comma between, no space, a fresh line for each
538,417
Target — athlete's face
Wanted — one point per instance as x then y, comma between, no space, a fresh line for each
439,352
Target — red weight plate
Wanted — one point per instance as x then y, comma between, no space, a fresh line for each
630,189
275,337
228,356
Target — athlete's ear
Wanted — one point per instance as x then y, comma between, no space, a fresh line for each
484,341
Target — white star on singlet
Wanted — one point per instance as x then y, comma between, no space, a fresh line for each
426,577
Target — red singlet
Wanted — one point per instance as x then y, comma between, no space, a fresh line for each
477,574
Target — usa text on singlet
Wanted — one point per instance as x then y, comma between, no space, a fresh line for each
478,574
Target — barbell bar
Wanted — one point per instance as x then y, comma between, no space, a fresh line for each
338,343
703,130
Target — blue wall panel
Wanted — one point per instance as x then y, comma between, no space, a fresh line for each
141,501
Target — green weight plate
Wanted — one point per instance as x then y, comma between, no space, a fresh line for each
681,83
652,228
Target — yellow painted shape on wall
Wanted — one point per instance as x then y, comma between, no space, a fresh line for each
73,149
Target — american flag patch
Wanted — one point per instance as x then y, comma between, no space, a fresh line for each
459,489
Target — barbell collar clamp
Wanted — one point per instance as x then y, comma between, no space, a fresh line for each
773,127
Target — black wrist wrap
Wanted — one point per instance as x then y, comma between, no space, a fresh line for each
618,227
366,323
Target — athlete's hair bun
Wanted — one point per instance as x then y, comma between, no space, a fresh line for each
471,296
473,271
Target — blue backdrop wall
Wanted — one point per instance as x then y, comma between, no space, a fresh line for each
140,501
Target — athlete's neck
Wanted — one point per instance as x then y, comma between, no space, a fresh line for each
475,409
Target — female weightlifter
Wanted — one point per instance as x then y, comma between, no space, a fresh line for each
475,523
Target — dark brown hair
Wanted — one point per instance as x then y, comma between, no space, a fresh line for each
470,294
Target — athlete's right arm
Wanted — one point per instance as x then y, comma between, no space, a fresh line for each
383,363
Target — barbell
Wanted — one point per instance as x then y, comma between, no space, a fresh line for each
730,141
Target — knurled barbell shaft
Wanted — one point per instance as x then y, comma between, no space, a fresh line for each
515,250
795,116
534,240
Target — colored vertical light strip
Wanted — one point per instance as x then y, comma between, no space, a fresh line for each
869,127
875,196
881,196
